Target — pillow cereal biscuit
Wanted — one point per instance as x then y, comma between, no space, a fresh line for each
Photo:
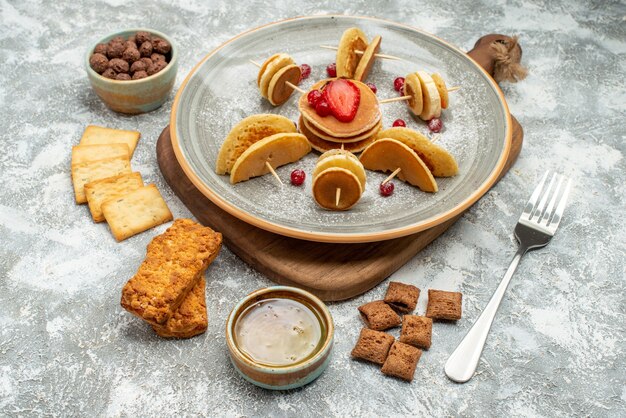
402,361
444,305
379,316
417,331
372,346
402,297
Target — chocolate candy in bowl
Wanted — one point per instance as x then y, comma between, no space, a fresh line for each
124,78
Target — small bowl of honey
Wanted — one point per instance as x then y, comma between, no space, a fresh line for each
280,337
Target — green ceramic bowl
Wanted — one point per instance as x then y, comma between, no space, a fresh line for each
134,96
286,376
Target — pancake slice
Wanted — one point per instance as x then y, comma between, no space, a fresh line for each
367,59
353,39
387,155
277,150
250,130
442,89
439,161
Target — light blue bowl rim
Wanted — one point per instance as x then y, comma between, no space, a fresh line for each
112,35
230,340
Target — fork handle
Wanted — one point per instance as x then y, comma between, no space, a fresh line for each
462,364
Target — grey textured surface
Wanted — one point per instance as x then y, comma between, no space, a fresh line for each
557,346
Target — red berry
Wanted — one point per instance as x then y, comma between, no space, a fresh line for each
322,108
297,177
332,70
372,87
399,122
435,125
305,71
386,189
313,97
398,83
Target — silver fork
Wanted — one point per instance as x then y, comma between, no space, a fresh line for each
535,229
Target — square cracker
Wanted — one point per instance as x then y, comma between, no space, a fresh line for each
190,319
99,191
135,212
100,135
89,153
84,173
175,261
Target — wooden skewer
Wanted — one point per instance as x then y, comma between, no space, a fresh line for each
358,52
293,86
435,138
394,99
392,175
401,98
337,196
269,167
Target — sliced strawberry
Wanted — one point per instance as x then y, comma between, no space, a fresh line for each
343,97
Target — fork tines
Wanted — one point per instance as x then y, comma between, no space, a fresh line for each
536,213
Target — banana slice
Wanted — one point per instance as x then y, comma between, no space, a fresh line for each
430,96
413,88
325,186
250,130
277,150
439,161
272,67
341,159
387,154
278,91
367,59
442,89
353,39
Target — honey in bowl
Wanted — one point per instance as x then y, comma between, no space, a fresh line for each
279,332
280,337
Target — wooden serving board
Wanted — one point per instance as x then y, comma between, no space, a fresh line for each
330,271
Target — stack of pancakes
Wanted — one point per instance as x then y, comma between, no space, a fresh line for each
326,132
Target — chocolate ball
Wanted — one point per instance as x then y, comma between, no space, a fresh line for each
147,61
131,44
140,74
130,55
115,50
142,37
145,49
101,49
157,57
109,73
161,46
118,65
117,39
98,62
138,66
122,76
156,67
